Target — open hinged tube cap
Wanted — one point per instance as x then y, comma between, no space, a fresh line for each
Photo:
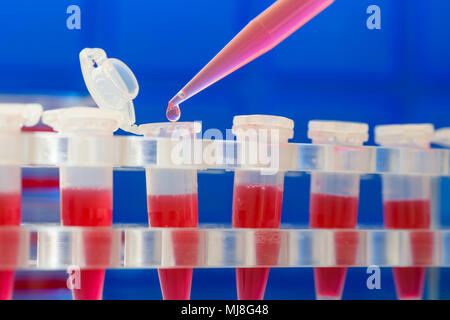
16,115
406,135
340,132
82,118
442,137
170,129
261,121
111,84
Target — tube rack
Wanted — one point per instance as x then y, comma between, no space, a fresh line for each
46,247
50,247
132,152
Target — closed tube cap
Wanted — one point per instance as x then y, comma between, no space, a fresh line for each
82,118
169,129
338,132
111,84
261,121
17,115
404,135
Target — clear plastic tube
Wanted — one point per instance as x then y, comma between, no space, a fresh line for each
407,205
12,118
257,200
334,203
86,192
86,200
172,201
10,215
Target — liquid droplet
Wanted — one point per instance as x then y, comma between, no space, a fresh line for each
173,112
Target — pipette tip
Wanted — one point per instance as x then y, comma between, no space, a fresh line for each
173,111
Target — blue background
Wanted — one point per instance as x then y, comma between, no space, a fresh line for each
332,68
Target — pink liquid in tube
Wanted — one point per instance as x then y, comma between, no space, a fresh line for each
10,215
176,211
335,212
10,209
411,214
257,206
86,207
262,34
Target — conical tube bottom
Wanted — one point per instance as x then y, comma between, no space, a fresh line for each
329,282
90,285
175,283
6,284
251,283
409,282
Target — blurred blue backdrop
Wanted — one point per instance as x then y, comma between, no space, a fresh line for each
332,68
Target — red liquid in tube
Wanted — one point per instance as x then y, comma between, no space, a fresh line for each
329,211
10,215
411,214
10,209
89,208
176,211
257,206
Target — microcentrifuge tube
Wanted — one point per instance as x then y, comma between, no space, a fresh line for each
86,191
407,205
257,201
172,202
12,117
334,203
87,206
10,215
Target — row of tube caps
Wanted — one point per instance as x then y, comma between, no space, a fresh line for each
86,195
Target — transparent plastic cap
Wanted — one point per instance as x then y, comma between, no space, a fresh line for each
406,135
15,115
111,84
338,132
442,137
260,121
82,118
169,129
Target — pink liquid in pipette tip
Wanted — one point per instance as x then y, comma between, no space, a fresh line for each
257,206
173,112
10,215
411,214
263,33
89,208
335,212
176,211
